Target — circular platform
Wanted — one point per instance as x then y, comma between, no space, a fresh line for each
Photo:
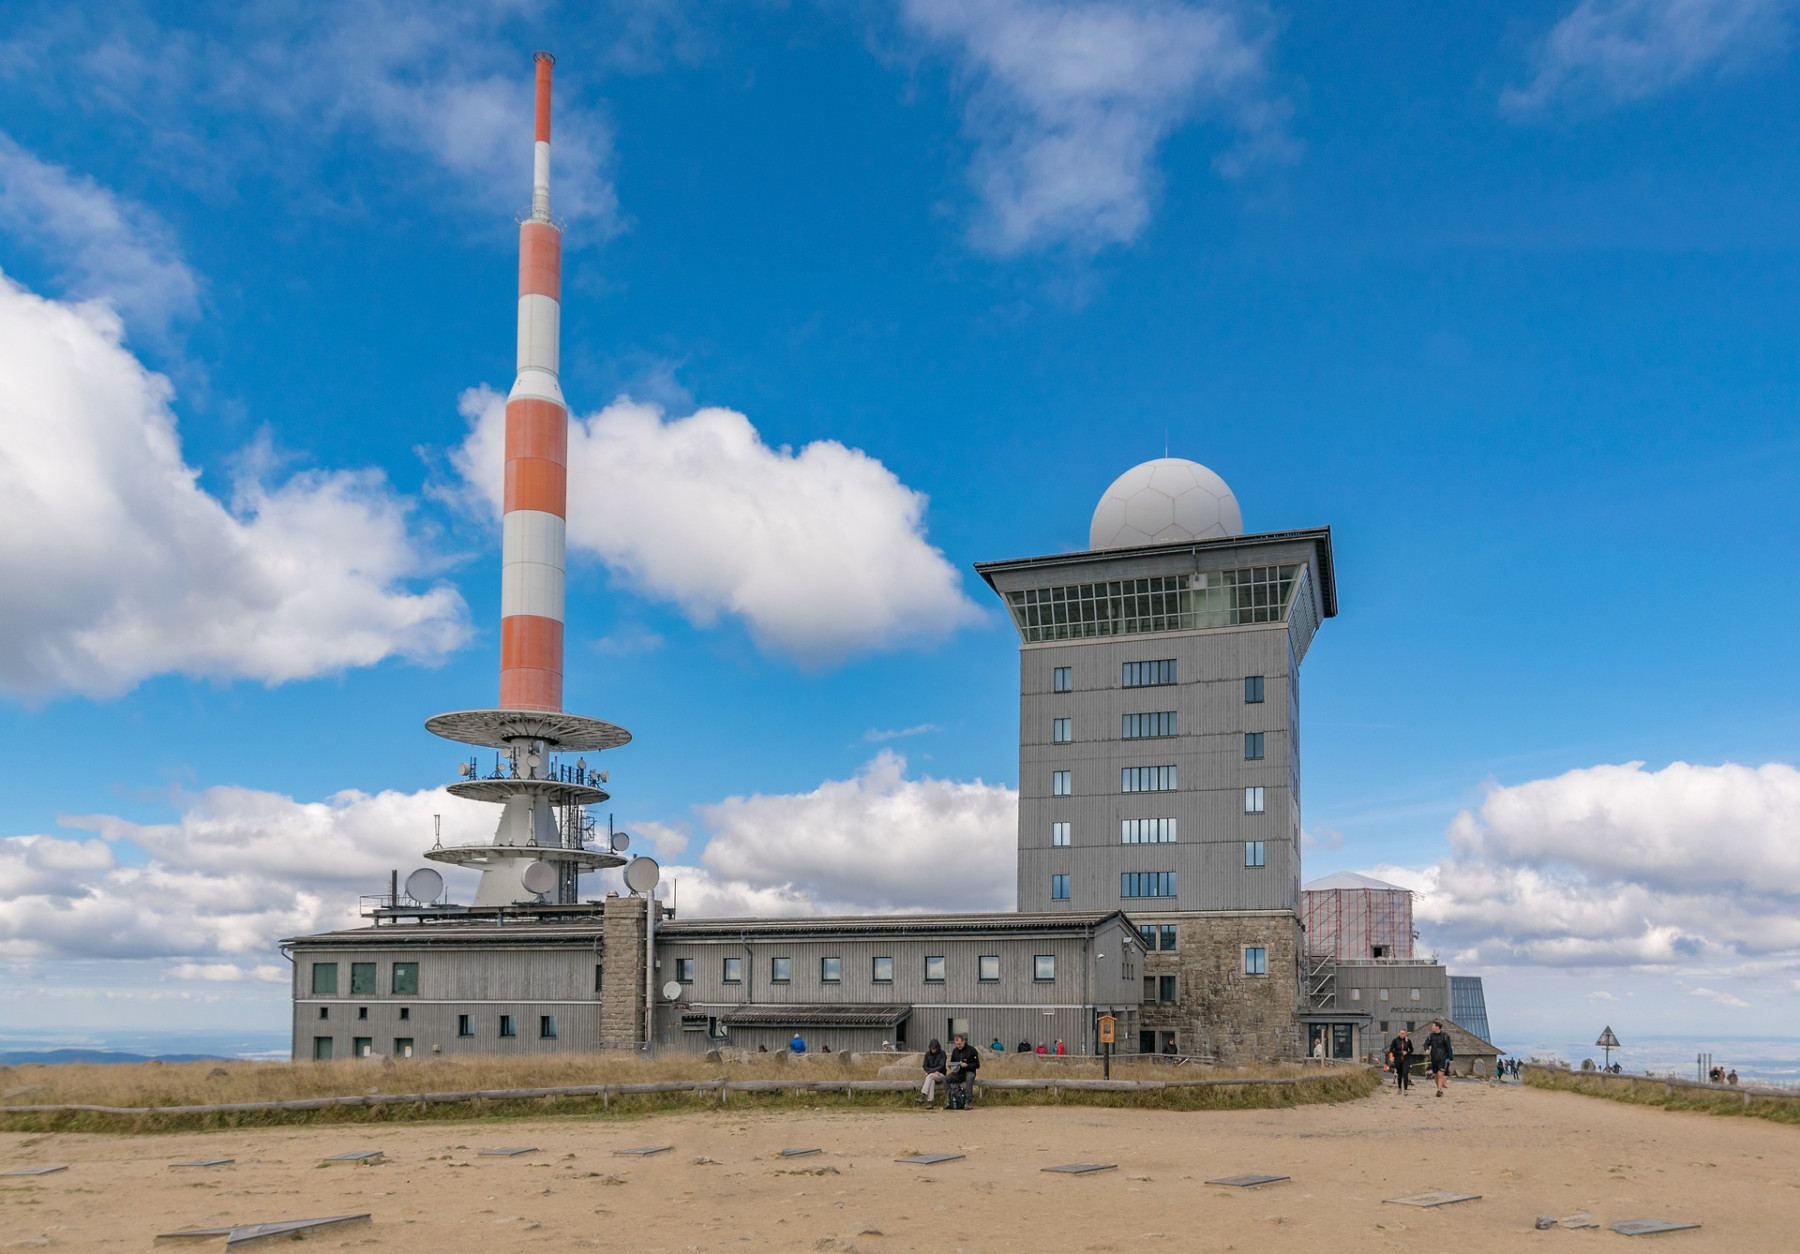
560,794
497,729
479,856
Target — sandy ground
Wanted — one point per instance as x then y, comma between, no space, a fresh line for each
724,1187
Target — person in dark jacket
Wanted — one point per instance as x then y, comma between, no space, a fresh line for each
1438,1053
1024,1047
936,1063
1399,1057
965,1061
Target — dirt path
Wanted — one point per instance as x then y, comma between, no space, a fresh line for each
724,1186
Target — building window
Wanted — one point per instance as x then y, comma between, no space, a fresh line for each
403,1047
781,970
1256,960
324,1012
734,971
831,970
547,1027
1147,884
934,969
1059,835
1062,731
1384,1027
1061,783
405,1013
1148,674
881,970
1043,967
1062,679
1168,936
362,1047
1253,853
1147,831
599,976
324,979
1415,994
1155,725
1253,801
507,1028
1122,607
465,1025
1356,994
362,979
684,970
406,978
1059,888
1253,746
1253,689
362,1012
1147,934
322,1049
1147,779
1165,989
987,968
1381,994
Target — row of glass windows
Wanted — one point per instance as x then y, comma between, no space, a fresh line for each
1147,779
881,970
1147,884
1158,935
1147,832
403,981
1152,726
1126,607
1157,674
1356,994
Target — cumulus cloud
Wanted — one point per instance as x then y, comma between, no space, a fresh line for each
1687,867
1070,100
115,564
821,552
1606,52
101,246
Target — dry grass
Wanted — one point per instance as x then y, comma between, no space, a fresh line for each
197,1084
1670,1095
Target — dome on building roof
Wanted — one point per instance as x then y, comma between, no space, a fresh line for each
1162,501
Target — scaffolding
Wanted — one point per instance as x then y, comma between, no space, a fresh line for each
1363,919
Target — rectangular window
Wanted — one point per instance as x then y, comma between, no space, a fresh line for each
507,1027
1147,779
406,978
1062,731
1059,835
1384,1027
1253,746
1147,884
405,1013
1253,801
321,1049
1147,933
881,970
324,979
324,1012
734,971
1253,689
362,1047
465,1025
1356,994
1123,607
831,970
1043,967
547,1027
684,970
1157,674
1381,994
1168,936
1147,831
1253,853
362,1012
1415,994
599,976
1062,679
403,1047
781,970
1156,725
987,968
1059,888
362,979
1256,960
1062,783
1165,988
934,969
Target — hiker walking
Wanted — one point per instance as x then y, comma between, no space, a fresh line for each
1399,1057
1438,1053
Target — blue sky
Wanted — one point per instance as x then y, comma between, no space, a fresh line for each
1504,296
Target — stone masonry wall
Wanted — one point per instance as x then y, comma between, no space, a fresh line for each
1221,1012
622,965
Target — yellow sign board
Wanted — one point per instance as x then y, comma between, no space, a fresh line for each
1107,1024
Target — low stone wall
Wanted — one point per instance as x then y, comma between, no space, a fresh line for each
1782,1105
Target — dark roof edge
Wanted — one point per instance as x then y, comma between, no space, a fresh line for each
1320,537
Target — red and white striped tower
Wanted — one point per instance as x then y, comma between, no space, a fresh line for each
537,440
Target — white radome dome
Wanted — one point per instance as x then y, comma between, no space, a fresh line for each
1162,501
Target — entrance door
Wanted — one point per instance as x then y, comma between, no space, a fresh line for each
1343,1040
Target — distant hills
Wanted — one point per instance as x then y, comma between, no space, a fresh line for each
53,1056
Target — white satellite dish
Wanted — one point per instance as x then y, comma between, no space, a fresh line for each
424,885
620,842
538,877
642,874
672,991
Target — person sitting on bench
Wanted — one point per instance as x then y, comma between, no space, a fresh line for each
965,1061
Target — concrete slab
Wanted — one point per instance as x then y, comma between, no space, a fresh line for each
643,1151
205,1162
1247,1182
1082,1169
1437,1197
927,1160
356,1156
800,1153
508,1151
247,1236
1649,1227
34,1171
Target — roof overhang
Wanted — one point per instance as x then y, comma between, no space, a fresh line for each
812,1015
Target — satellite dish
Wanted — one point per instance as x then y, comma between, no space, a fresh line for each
620,842
538,877
424,885
642,874
672,991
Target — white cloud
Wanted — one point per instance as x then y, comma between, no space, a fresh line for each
1724,999
1688,868
875,735
1613,51
102,247
115,564
1072,98
821,552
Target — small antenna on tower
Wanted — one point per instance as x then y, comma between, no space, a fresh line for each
437,831
1165,441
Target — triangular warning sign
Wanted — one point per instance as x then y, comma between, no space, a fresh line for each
1607,1039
